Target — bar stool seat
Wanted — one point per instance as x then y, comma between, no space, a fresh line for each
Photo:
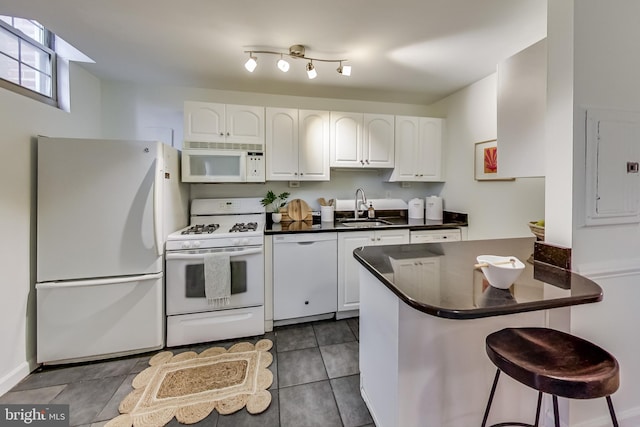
553,362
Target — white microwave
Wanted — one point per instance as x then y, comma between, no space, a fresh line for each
207,165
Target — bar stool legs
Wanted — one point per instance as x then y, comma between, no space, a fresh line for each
556,413
612,412
493,391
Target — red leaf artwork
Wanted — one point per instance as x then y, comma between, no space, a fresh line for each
491,160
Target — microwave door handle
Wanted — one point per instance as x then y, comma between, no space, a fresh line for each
185,256
243,167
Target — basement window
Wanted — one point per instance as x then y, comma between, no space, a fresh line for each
28,59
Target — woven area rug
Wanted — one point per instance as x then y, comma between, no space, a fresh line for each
189,386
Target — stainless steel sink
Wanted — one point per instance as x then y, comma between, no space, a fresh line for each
365,223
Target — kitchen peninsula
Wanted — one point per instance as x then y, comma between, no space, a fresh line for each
424,314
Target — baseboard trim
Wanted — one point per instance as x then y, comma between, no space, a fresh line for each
347,314
630,417
12,378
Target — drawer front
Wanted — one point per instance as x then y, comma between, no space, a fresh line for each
429,236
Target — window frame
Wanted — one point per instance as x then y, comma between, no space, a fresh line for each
50,50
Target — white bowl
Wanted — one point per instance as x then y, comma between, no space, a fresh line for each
499,271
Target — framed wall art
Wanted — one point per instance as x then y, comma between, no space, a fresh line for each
486,162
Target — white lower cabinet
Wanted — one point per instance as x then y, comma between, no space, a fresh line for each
348,271
304,275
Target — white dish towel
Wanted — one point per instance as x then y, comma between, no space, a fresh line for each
217,279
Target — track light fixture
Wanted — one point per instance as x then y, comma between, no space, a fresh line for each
296,51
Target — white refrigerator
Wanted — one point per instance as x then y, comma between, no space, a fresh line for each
105,208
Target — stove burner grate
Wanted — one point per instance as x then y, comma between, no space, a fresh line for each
241,227
201,229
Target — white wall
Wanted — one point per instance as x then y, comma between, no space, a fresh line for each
594,64
21,121
496,208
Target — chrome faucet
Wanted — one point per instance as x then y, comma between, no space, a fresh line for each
356,209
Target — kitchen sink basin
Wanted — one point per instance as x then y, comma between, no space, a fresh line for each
366,223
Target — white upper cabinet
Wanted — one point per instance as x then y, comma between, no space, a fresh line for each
378,147
522,106
346,139
418,149
313,145
297,145
362,140
212,122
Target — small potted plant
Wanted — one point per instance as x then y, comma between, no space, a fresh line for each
276,202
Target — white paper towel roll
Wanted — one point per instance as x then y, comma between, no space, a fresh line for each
416,208
434,207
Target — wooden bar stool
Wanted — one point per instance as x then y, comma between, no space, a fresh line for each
555,363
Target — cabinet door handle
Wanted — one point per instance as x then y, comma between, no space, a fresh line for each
362,162
373,239
367,161
301,173
378,239
221,133
295,173
228,134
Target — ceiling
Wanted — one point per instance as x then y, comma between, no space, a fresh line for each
408,51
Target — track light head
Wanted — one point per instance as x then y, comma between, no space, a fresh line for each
344,70
251,63
283,65
311,71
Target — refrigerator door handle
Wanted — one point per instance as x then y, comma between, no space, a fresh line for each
98,282
157,203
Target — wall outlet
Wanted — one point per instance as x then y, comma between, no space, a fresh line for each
294,184
406,184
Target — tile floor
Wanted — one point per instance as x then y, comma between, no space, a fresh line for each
315,382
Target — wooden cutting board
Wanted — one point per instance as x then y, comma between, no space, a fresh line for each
298,210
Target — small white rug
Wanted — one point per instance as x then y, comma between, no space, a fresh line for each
189,386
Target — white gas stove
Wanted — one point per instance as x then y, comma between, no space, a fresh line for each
232,228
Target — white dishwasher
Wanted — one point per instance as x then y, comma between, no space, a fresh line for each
305,274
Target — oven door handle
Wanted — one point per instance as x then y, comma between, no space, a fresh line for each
186,256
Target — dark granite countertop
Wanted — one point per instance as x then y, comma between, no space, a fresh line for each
450,220
440,279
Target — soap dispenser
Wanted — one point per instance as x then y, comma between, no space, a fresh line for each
371,213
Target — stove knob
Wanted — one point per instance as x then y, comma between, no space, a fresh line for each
196,243
186,245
